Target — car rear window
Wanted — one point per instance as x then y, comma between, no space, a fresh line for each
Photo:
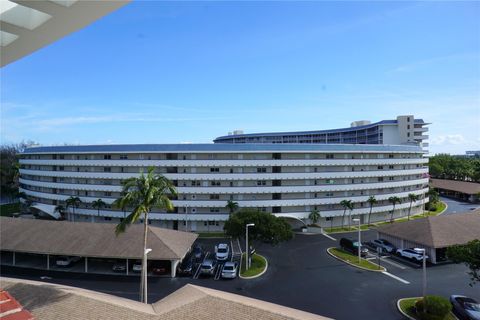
228,268
222,250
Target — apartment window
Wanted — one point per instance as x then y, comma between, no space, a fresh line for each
195,183
261,170
211,223
61,168
329,181
214,210
107,194
215,183
107,169
390,167
380,179
276,196
390,156
329,194
261,182
123,157
172,156
315,169
214,169
214,197
107,157
107,218
408,119
391,178
62,156
380,167
262,209
408,134
408,126
329,156
276,156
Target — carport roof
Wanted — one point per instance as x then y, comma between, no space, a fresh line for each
437,232
89,239
458,186
51,301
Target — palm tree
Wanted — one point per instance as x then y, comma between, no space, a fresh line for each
346,204
73,202
371,201
412,197
61,210
393,200
232,206
314,216
142,194
98,204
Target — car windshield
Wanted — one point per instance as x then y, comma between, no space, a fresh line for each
206,266
355,244
472,306
228,268
222,250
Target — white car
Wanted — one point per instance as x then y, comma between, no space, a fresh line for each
412,253
222,251
137,266
66,261
229,270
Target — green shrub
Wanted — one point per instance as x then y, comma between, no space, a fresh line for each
436,308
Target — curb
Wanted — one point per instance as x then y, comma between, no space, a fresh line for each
255,276
400,309
353,265
446,207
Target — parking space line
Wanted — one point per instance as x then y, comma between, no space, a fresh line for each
218,272
330,237
393,263
395,277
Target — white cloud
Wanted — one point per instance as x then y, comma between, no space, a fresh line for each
448,139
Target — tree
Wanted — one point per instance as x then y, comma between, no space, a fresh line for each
346,204
468,254
98,204
268,228
143,194
314,216
232,206
371,201
61,210
412,197
73,202
393,200
433,198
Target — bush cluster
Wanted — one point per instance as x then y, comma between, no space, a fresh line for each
433,308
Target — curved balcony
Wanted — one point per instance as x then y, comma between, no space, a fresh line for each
232,176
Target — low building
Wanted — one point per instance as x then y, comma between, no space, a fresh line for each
463,190
44,240
434,234
50,301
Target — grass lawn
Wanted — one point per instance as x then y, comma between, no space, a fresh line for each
345,229
353,259
258,265
211,235
7,210
408,306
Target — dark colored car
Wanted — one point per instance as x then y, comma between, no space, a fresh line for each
186,267
352,246
198,253
465,308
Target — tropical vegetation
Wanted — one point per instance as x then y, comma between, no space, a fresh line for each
314,216
73,202
444,166
232,206
371,202
140,195
346,204
393,200
469,254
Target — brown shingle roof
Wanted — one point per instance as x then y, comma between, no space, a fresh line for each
50,301
437,232
91,239
459,186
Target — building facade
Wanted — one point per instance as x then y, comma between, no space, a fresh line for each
404,130
288,180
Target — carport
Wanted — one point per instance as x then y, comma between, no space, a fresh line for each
434,234
38,243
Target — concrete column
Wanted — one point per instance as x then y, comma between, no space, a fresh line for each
173,264
86,264
48,262
127,267
13,258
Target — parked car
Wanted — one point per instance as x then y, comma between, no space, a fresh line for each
137,266
66,261
159,270
119,267
465,308
222,251
198,253
229,270
208,267
385,245
186,267
411,253
352,246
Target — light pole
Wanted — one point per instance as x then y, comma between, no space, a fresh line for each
359,239
246,244
145,297
424,267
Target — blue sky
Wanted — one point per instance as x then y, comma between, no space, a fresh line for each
172,72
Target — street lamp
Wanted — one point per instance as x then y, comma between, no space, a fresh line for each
359,239
424,267
246,244
144,271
